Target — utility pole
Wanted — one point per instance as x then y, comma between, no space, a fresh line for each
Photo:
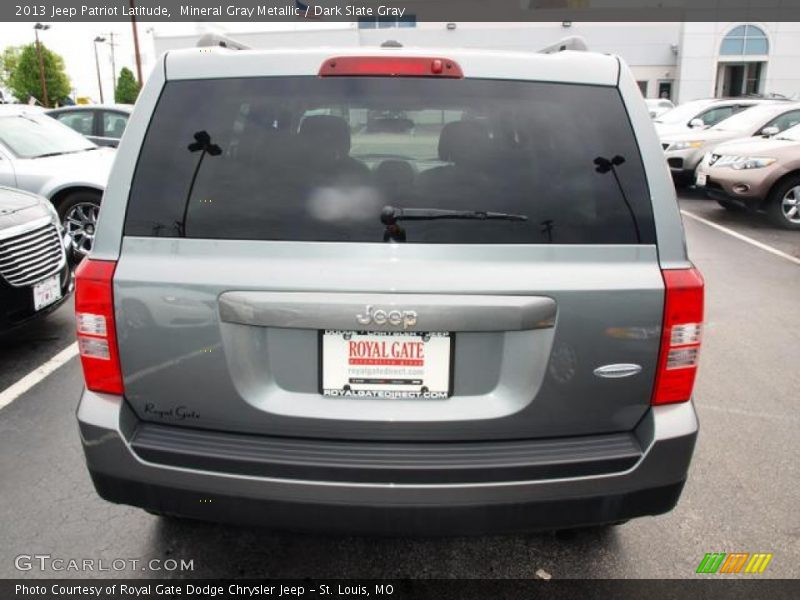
113,67
36,29
136,43
98,39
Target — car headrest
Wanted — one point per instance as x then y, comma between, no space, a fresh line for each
327,134
118,129
395,173
464,142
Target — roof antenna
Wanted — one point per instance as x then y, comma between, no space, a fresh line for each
391,44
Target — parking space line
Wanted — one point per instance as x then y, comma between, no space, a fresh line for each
742,237
15,390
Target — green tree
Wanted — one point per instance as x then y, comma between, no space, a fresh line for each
127,87
25,80
8,63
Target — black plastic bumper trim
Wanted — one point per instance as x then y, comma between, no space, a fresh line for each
384,462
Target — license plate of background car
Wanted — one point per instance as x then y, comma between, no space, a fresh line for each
46,292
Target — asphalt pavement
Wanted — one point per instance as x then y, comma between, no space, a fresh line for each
741,495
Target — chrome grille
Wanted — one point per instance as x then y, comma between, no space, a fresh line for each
30,255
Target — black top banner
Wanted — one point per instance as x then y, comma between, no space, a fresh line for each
417,10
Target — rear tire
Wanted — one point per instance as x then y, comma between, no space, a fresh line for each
602,529
783,204
169,517
78,214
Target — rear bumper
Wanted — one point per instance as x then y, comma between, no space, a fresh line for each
650,486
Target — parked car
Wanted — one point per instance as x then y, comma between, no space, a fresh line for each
43,156
481,332
658,106
35,275
685,151
757,174
701,114
101,123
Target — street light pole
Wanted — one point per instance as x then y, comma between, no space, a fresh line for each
136,44
97,40
36,29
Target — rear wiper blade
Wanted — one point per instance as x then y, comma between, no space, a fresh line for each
391,215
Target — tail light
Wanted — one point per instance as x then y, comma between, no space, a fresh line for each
97,337
680,337
390,66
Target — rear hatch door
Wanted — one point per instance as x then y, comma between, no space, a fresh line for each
262,288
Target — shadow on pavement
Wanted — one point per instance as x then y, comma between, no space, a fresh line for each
228,551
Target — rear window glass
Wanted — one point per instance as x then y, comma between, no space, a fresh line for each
319,159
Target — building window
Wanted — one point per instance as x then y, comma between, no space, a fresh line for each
745,39
387,22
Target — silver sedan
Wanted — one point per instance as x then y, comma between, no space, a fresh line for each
40,155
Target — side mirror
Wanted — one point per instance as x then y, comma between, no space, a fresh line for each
770,131
697,124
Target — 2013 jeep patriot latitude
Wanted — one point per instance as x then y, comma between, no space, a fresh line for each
390,290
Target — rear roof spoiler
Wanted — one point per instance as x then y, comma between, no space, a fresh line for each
220,41
574,42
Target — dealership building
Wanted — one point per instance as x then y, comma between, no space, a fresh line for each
682,61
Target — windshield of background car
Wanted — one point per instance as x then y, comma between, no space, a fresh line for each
317,159
748,119
683,113
793,134
29,136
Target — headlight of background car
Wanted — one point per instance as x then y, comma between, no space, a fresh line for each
744,162
53,212
685,145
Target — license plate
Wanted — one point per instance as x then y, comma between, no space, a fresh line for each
701,179
386,365
46,292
